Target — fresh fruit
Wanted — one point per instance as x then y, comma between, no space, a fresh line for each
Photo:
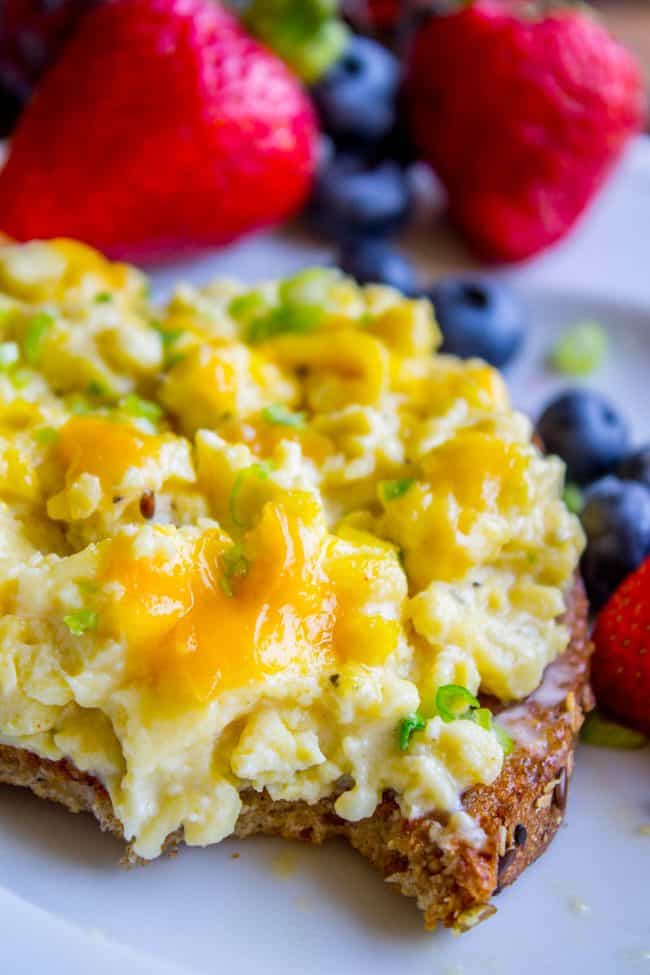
636,466
480,318
586,431
375,261
218,141
616,519
356,100
521,118
353,199
305,33
581,350
621,663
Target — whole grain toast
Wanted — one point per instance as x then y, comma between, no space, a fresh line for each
451,878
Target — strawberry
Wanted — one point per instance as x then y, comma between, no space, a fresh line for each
621,662
521,118
162,128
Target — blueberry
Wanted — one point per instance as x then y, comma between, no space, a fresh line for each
479,318
636,466
374,261
585,430
353,199
616,519
357,99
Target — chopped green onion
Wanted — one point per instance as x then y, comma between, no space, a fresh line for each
309,288
603,733
281,416
482,717
573,499
9,354
96,388
283,320
581,350
88,587
36,330
454,701
235,566
80,621
407,728
103,297
392,490
46,435
173,360
244,308
142,408
168,336
261,471
503,738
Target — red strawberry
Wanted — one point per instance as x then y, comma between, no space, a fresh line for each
521,118
621,663
162,128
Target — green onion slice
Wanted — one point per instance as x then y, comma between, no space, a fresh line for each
235,566
81,620
503,738
482,717
285,320
281,416
573,498
46,435
581,350
454,701
604,733
407,728
261,471
142,408
37,328
392,490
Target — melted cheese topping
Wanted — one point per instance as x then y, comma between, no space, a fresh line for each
245,539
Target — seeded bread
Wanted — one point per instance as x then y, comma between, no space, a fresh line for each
451,878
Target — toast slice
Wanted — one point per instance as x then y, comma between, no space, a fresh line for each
451,878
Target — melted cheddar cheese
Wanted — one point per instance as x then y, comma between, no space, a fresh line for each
246,538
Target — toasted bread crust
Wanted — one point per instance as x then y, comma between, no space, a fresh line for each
449,877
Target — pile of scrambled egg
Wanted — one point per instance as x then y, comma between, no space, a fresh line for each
261,539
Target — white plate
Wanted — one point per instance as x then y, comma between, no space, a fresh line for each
282,908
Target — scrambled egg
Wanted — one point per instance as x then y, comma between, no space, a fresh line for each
263,539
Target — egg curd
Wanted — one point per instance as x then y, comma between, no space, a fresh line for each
256,540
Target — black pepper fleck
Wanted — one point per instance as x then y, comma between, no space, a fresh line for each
334,679
521,834
118,498
148,505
